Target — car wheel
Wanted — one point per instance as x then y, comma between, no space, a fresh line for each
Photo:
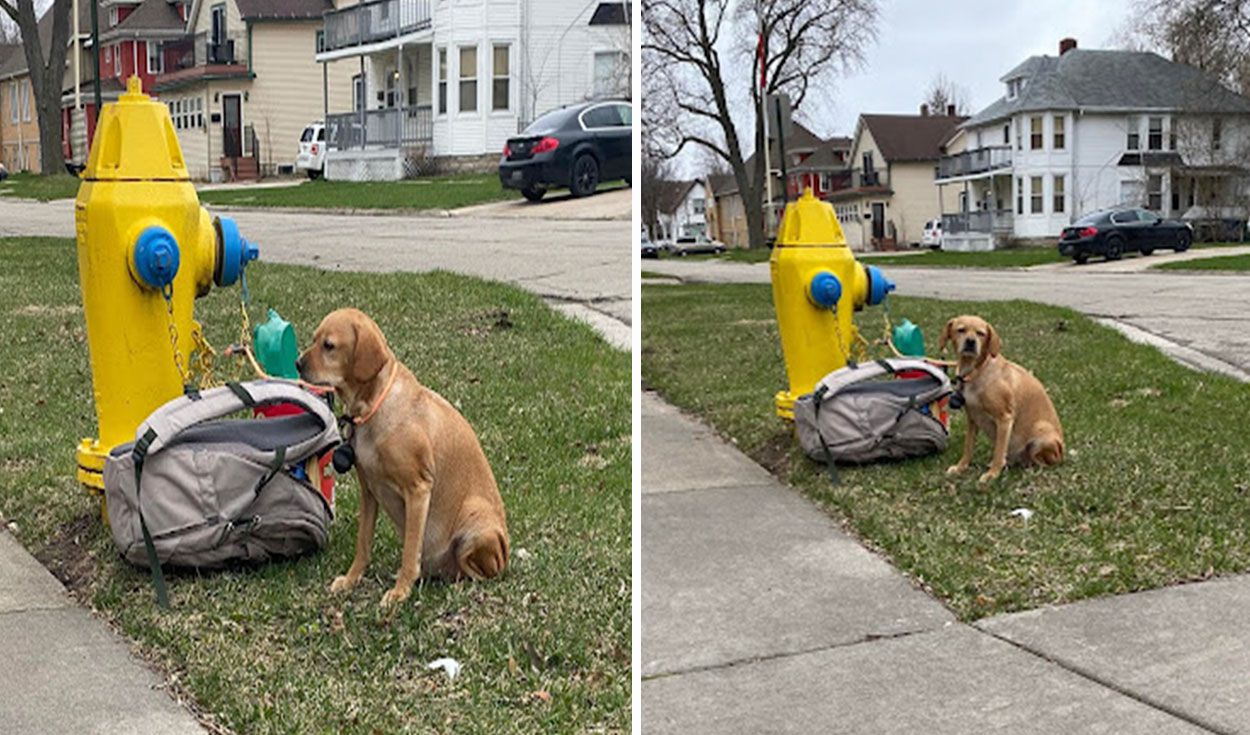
1147,251
534,193
1115,249
1081,259
314,174
1183,240
585,176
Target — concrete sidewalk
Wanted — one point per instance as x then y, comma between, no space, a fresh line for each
67,672
760,615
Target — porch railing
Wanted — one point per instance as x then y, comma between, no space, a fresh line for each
986,220
387,128
980,160
374,21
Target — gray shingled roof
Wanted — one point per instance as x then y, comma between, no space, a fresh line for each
151,19
825,157
12,59
910,137
283,9
1095,79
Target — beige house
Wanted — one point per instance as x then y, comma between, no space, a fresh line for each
19,126
247,86
892,190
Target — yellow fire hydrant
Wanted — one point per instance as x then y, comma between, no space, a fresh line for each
146,251
817,286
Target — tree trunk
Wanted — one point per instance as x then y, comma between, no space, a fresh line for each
46,77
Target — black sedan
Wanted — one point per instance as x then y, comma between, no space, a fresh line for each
1113,232
578,146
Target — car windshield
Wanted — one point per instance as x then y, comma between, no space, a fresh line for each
550,122
307,136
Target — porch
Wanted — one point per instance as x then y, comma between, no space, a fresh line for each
374,22
979,162
982,218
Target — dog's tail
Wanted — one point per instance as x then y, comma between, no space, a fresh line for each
482,553
1047,450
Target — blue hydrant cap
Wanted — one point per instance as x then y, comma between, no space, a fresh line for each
878,285
156,257
825,289
233,252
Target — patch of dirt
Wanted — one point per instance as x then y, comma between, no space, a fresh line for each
68,557
775,455
489,322
45,310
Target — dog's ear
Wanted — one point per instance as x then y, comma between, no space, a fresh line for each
370,353
994,343
948,333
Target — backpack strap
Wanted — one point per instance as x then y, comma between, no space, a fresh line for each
839,380
138,455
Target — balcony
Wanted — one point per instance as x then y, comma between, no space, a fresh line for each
969,163
857,182
395,127
996,221
374,21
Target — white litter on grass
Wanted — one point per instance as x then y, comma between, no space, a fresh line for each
450,665
522,554
1024,513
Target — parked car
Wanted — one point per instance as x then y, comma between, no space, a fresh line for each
696,245
1113,232
312,151
649,248
932,235
579,146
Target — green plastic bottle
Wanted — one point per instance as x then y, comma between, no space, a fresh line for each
908,339
276,347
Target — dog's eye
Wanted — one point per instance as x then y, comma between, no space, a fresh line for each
961,330
980,333
327,345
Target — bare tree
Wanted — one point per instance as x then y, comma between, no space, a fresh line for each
655,175
700,56
47,71
942,92
1212,35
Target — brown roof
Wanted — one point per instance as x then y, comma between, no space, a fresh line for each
911,137
283,9
150,18
722,183
12,58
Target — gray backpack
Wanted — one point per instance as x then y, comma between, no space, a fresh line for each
199,490
851,417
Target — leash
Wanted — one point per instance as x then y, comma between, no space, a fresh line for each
344,457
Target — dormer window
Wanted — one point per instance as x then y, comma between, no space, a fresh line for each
1015,87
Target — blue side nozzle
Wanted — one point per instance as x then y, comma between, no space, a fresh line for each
233,252
156,257
878,285
825,289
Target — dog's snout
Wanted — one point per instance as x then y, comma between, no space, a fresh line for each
299,364
970,345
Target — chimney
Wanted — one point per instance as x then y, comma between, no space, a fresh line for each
924,110
950,110
1066,45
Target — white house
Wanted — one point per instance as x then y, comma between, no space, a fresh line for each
688,214
453,79
1090,129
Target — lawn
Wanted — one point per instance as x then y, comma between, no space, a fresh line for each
438,192
1007,258
43,188
546,648
1226,263
1155,488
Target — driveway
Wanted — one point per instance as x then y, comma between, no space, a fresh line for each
582,265
1209,314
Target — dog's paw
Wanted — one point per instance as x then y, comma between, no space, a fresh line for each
989,476
343,583
956,469
394,596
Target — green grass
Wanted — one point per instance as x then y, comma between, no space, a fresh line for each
1008,258
1227,263
438,192
270,650
1155,488
43,188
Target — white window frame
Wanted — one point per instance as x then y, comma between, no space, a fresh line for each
1058,194
461,80
14,114
1059,132
25,90
117,60
442,100
1037,138
1037,197
113,16
160,57
495,78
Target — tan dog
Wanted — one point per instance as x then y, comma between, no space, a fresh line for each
416,456
1002,399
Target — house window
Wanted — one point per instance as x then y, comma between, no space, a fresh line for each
503,74
1060,139
26,89
468,79
117,61
442,81
1133,141
824,184
1019,137
1154,192
1057,194
1217,130
1172,134
13,102
698,206
1035,195
611,73
112,16
1007,134
1035,133
1019,195
321,41
1154,134
156,60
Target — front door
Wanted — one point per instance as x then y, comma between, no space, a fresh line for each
878,220
231,126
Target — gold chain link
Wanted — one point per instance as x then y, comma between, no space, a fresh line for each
206,357
173,340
